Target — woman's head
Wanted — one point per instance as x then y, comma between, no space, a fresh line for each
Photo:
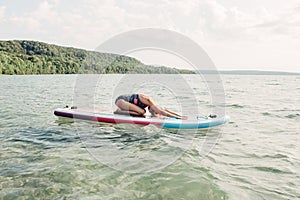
153,113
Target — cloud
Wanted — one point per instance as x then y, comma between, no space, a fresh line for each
87,23
45,12
284,24
233,34
2,13
36,23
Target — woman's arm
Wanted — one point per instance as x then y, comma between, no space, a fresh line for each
151,103
167,113
173,113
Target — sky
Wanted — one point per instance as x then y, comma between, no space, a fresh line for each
236,34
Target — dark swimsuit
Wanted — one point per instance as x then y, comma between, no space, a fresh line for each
134,99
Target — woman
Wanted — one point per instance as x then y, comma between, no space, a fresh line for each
135,104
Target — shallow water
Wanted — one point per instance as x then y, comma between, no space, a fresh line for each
255,156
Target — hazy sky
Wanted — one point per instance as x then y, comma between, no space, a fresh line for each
236,34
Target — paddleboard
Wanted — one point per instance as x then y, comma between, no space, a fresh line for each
166,122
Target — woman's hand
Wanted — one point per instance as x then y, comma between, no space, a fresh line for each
184,117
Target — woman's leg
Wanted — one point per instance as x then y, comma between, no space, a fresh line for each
129,108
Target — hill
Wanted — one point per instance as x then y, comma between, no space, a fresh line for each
246,72
32,57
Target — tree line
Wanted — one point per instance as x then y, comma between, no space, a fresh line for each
30,57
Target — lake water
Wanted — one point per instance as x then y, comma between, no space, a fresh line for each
255,156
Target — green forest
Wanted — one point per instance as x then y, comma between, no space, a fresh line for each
20,57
